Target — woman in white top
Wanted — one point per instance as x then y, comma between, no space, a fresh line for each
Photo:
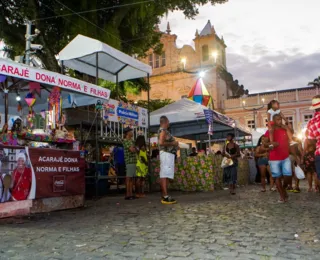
274,109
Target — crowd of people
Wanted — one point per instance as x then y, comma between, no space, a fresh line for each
278,154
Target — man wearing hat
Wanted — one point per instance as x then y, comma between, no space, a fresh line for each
313,130
130,156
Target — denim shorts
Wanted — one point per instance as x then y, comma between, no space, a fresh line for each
317,161
281,168
263,161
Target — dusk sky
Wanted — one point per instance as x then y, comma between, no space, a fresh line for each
272,45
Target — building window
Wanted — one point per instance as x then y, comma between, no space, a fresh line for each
307,118
157,61
290,120
266,122
163,59
205,53
151,60
250,124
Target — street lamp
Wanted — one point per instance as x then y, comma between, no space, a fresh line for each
215,56
254,110
202,72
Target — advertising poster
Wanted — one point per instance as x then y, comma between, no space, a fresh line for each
128,114
124,113
34,173
143,117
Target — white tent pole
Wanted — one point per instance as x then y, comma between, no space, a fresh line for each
97,68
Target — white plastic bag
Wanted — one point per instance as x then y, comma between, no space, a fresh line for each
299,173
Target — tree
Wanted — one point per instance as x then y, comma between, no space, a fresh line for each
236,89
155,104
129,28
315,82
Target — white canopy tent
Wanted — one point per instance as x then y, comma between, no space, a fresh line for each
183,110
187,120
100,60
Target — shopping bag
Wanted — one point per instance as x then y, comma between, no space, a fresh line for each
226,162
299,173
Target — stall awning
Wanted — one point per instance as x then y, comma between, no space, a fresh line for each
19,76
84,54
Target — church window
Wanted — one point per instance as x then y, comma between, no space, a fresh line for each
157,61
205,53
151,60
163,59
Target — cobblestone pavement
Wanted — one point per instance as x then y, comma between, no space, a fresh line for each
250,225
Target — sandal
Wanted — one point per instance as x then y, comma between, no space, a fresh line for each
263,190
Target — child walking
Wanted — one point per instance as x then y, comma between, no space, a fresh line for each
142,166
274,109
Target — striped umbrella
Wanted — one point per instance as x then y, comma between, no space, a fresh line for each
200,94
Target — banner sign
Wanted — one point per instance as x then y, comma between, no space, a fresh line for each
51,78
209,115
209,118
58,172
127,114
34,173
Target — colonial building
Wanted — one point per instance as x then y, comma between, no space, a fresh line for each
176,70
294,104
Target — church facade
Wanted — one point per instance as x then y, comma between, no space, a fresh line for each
176,70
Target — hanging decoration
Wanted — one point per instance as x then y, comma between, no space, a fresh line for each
55,106
2,78
19,107
31,118
30,100
200,94
99,106
35,87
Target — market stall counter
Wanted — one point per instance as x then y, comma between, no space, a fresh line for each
37,180
200,173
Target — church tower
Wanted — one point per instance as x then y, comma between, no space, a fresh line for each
177,69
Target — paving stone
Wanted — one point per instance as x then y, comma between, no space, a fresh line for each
202,226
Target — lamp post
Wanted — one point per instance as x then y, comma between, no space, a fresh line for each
254,110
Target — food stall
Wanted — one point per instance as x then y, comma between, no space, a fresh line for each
101,61
201,173
41,166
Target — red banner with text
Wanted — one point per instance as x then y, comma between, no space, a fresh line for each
57,172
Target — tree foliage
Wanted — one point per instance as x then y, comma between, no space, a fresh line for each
130,28
236,89
154,104
315,82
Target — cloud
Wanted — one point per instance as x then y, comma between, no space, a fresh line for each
274,72
271,44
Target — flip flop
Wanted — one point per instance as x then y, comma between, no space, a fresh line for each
263,190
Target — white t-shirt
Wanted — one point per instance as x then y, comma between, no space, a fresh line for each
273,113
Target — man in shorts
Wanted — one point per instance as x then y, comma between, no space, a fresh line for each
130,156
313,130
279,161
168,148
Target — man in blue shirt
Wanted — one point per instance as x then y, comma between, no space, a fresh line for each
118,158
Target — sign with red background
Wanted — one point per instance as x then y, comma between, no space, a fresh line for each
57,172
